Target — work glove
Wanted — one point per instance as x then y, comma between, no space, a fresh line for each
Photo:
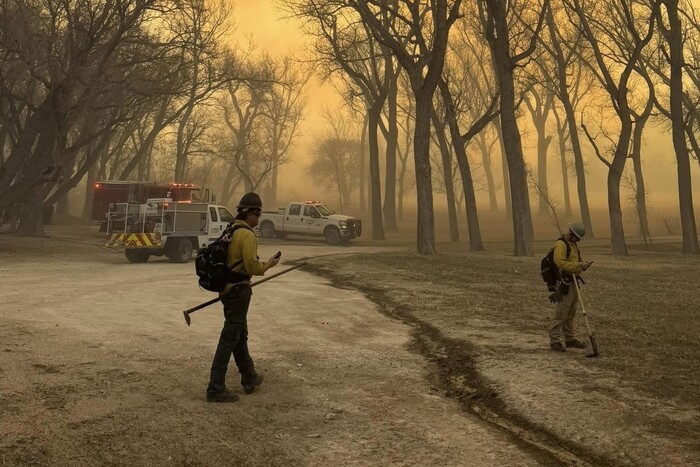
555,297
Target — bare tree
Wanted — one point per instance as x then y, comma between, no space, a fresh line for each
563,135
498,30
284,111
613,65
199,26
427,27
80,57
336,161
564,46
345,44
674,37
446,160
540,102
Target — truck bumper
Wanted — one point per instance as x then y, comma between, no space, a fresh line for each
135,240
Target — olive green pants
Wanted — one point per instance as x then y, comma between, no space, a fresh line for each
564,313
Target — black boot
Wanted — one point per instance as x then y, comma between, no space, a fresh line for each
223,396
576,344
249,388
557,347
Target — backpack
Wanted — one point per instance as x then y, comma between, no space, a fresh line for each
211,263
549,270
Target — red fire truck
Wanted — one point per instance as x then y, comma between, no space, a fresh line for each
107,192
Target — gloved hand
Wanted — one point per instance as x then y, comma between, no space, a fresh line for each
555,297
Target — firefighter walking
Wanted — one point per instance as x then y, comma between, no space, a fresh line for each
243,261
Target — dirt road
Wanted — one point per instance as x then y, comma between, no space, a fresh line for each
97,367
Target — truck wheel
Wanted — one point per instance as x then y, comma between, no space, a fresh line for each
136,256
182,252
332,236
267,230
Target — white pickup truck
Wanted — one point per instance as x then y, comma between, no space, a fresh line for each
309,218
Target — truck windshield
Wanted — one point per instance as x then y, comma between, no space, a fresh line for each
324,210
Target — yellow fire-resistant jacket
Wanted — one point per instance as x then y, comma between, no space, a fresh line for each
244,245
567,264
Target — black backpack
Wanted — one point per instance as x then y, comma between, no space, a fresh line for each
549,270
211,263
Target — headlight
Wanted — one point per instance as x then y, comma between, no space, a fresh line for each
343,224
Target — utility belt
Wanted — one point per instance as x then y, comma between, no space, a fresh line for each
237,290
565,283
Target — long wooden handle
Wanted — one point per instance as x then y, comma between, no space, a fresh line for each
214,300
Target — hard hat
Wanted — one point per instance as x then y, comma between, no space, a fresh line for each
250,201
577,229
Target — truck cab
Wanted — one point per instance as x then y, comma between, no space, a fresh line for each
163,227
309,218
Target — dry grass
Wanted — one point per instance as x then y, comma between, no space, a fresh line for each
643,308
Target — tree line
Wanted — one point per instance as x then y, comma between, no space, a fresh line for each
135,89
465,76
143,89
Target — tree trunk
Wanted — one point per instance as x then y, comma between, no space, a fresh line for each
63,205
565,99
363,145
504,167
447,176
486,161
424,189
402,185
693,141
685,191
159,122
31,215
375,179
89,194
458,143
617,231
640,190
562,137
539,113
522,217
391,147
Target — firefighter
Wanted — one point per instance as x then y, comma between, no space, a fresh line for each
242,258
565,297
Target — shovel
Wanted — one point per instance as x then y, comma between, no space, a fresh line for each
585,317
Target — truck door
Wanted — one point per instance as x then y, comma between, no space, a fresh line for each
294,221
313,219
215,226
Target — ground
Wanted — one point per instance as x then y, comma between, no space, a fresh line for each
372,355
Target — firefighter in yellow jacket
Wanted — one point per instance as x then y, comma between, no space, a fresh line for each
244,262
566,298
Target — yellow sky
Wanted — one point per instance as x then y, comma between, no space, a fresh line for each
265,23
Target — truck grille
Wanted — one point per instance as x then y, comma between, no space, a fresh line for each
355,227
